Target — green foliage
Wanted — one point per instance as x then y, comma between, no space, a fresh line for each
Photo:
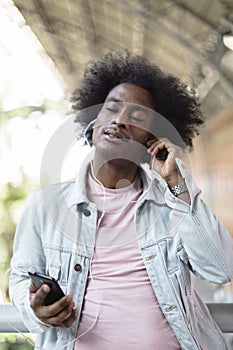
25,111
14,342
12,199
14,192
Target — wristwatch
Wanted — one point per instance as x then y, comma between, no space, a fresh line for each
179,189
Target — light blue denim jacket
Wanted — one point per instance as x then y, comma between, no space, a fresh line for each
57,231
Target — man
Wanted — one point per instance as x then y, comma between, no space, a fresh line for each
124,262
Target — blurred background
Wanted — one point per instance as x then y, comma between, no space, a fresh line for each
44,47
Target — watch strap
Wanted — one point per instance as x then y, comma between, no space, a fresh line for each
179,189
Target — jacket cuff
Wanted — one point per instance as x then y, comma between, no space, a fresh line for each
31,321
174,202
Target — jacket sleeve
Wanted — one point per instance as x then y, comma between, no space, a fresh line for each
208,246
28,255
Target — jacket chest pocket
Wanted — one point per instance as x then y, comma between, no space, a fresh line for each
58,265
176,264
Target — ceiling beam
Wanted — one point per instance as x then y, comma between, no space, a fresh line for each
139,29
88,27
204,19
161,28
49,29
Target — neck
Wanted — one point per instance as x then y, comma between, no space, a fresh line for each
115,174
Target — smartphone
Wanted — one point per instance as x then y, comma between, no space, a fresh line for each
56,292
162,154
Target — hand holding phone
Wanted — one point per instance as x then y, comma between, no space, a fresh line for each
161,153
49,303
55,293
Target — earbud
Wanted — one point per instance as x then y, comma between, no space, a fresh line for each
85,133
88,126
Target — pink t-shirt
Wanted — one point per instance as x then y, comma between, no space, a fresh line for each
118,290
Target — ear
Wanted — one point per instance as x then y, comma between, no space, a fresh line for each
88,137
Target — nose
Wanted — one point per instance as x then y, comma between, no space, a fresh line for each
121,120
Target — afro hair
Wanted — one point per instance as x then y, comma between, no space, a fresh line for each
172,97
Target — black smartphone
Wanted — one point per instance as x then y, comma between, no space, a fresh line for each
162,154
56,292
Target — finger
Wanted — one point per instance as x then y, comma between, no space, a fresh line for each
37,299
51,311
69,321
171,147
58,306
152,138
166,142
56,313
173,150
63,318
152,142
155,148
155,141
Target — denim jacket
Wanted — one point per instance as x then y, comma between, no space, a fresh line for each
56,235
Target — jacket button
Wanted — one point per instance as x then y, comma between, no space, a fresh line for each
150,257
170,308
86,212
77,267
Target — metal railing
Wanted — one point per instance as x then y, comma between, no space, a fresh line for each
10,321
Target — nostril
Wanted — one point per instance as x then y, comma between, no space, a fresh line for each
122,125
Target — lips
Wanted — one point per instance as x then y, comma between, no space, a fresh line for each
112,133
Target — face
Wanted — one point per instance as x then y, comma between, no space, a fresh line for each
123,124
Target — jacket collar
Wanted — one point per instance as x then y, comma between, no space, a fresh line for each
154,186
78,192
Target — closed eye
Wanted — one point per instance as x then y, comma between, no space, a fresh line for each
111,109
137,119
138,116
112,106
